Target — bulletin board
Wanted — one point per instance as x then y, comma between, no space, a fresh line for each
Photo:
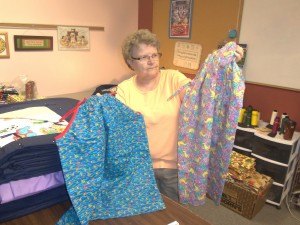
211,22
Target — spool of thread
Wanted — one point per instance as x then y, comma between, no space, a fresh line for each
289,129
282,117
276,125
258,115
241,115
254,118
273,116
248,116
244,117
29,90
248,120
283,122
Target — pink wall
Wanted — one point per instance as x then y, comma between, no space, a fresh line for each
60,72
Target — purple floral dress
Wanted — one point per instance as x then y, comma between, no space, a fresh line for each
207,126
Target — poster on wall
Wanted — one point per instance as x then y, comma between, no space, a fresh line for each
4,48
73,38
187,55
33,43
180,18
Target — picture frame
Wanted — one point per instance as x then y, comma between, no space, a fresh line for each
180,20
187,55
73,38
33,43
4,45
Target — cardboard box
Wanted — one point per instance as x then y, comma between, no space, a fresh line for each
243,201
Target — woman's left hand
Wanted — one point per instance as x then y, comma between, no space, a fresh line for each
239,53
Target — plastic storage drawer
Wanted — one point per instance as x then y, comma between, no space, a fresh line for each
273,169
243,139
271,150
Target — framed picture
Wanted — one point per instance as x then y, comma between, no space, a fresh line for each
73,38
180,18
33,43
187,55
4,47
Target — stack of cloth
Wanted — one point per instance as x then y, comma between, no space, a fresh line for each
31,176
243,173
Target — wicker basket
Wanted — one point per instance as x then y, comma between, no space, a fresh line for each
243,201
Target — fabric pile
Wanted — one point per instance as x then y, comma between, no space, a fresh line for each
30,171
242,172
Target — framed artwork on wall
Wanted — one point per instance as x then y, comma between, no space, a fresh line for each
4,45
180,19
33,43
73,38
187,55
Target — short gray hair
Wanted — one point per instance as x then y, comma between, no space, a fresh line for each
142,36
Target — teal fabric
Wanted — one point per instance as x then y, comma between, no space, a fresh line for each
107,164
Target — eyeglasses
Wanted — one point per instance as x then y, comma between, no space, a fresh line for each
146,58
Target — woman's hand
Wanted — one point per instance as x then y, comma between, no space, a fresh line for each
239,53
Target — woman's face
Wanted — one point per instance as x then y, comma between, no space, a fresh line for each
144,61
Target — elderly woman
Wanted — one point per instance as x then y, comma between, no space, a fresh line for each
147,92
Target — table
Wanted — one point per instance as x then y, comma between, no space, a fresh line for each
173,212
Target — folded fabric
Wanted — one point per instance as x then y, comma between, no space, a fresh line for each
241,166
242,172
22,188
29,157
241,162
106,163
35,155
32,203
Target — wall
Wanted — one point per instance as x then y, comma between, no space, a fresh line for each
145,14
266,99
59,72
272,37
272,58
211,21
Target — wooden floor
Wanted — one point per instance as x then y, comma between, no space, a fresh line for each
47,216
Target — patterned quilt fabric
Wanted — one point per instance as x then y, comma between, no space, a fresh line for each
243,173
106,163
241,165
208,121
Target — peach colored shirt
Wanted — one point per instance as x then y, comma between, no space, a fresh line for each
160,115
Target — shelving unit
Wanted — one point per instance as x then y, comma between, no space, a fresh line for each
274,157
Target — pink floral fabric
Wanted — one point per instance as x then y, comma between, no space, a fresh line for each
207,126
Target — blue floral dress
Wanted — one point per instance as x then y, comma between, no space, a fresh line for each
106,163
